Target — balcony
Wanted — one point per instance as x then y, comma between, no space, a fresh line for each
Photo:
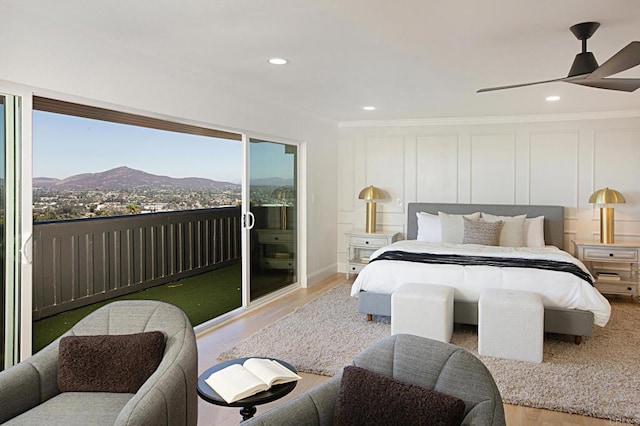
80,262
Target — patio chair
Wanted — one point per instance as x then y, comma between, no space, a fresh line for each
415,360
29,391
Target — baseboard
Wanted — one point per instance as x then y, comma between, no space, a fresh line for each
322,274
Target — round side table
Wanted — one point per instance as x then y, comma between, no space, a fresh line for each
248,404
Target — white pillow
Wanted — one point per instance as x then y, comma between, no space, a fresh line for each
512,233
534,232
453,226
429,228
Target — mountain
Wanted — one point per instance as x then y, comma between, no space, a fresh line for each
273,181
126,178
45,182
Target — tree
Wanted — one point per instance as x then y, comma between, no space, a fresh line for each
133,209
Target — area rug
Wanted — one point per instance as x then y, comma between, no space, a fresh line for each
599,378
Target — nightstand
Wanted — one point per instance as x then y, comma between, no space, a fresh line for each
277,249
362,244
615,266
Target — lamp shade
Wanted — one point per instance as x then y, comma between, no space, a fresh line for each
607,196
371,193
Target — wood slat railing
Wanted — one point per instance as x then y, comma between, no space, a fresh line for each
79,262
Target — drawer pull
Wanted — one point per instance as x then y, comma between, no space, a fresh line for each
629,288
366,242
610,254
276,238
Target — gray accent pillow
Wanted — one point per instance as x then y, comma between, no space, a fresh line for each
481,232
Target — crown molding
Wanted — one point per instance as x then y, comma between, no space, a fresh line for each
461,121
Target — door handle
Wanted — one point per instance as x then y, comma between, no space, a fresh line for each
248,220
26,251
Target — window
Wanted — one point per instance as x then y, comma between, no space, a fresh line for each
92,162
124,203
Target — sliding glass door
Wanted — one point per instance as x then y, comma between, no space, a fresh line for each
272,238
9,231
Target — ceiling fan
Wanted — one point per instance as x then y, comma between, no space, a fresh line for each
585,70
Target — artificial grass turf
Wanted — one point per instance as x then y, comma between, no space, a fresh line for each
201,297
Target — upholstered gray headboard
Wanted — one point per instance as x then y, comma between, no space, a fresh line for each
553,216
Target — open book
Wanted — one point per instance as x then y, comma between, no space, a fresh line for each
239,381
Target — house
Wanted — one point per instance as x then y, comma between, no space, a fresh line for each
431,136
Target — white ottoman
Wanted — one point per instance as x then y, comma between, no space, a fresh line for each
424,310
510,324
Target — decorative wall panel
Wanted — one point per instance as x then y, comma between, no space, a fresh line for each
553,165
346,200
493,169
436,174
385,169
617,165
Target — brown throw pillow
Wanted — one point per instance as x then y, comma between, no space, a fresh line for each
368,398
109,363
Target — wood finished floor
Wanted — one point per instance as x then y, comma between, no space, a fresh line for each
214,341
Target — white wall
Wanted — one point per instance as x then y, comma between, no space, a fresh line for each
50,61
536,162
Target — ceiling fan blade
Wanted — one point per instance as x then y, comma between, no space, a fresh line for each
489,89
625,59
621,84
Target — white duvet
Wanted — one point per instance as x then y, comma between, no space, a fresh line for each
558,289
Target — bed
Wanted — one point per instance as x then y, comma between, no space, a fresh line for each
376,281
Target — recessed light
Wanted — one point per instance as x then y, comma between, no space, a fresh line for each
553,98
277,61
369,108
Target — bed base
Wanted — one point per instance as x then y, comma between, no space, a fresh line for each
572,322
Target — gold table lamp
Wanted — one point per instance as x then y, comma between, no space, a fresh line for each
370,194
284,194
604,197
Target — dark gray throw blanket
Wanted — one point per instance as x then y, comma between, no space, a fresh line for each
500,262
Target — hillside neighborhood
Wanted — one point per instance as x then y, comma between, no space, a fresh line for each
123,190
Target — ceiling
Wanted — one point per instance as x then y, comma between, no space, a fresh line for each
411,59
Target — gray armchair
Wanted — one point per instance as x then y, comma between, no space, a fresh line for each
416,360
29,392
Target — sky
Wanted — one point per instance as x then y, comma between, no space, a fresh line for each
64,146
